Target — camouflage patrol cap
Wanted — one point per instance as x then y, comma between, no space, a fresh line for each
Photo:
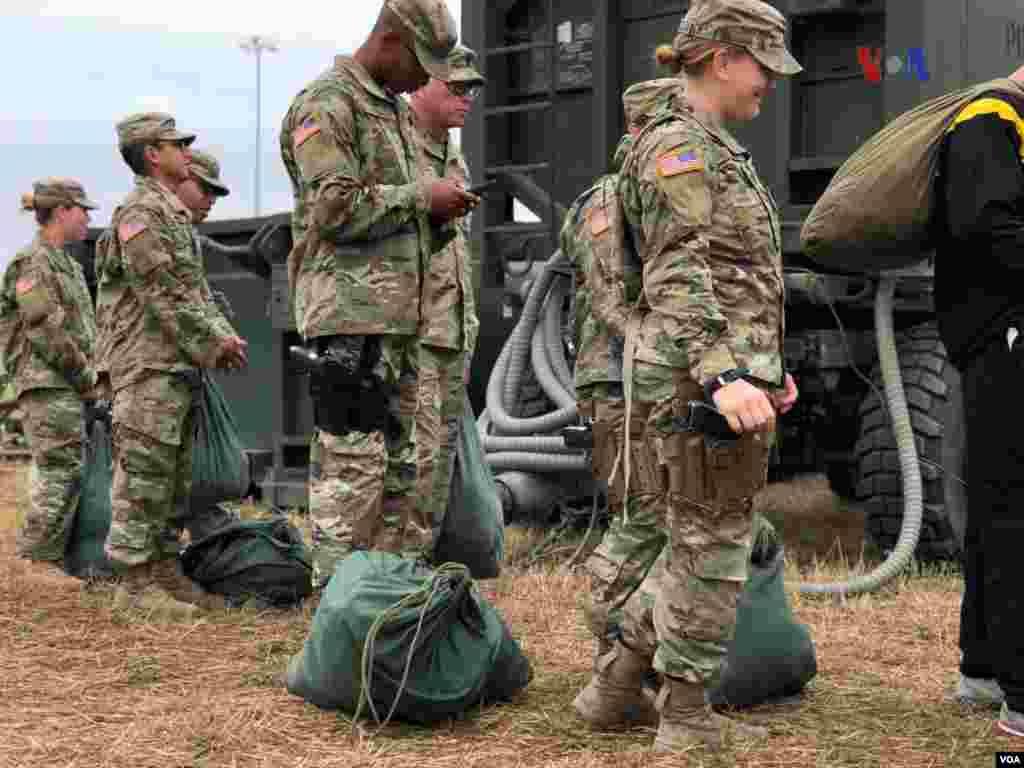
54,192
462,61
752,25
640,100
205,167
148,128
434,30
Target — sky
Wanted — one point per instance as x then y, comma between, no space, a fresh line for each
73,69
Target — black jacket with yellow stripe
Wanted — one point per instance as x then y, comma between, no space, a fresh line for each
979,265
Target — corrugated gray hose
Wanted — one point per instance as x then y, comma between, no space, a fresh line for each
533,444
913,498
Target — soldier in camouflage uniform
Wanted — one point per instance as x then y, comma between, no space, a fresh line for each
709,327
157,329
368,215
199,193
48,332
608,275
448,321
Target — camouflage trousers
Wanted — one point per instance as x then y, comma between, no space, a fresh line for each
53,428
153,434
440,403
362,485
620,563
685,617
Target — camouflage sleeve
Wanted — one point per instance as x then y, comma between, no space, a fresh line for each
44,311
342,203
464,242
675,189
606,280
170,291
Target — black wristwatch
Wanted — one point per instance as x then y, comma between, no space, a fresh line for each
726,377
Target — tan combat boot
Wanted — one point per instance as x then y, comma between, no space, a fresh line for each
168,576
139,589
615,697
687,720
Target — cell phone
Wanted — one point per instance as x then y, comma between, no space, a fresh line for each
479,189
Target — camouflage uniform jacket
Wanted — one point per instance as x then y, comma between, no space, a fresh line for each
608,275
447,306
46,321
153,309
707,231
360,227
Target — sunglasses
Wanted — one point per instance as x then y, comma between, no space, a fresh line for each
464,90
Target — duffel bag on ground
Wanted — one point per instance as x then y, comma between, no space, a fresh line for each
395,638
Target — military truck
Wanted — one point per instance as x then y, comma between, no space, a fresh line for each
546,125
551,116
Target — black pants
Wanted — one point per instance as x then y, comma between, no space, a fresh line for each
991,631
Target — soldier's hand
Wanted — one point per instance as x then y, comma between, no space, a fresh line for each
232,355
745,407
450,201
784,400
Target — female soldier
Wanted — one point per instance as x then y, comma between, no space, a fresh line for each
48,330
709,327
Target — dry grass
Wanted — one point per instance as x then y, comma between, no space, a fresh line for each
85,684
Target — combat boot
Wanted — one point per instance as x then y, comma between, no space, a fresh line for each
688,720
168,575
139,589
615,696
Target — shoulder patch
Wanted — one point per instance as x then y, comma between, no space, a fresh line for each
598,222
680,160
130,229
306,130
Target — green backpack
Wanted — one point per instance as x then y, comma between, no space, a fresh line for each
395,638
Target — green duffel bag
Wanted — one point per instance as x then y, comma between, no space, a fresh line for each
395,638
473,529
771,655
262,560
84,553
220,469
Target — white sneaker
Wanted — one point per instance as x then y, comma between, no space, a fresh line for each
1010,721
979,690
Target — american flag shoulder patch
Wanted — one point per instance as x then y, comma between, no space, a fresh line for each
307,129
130,229
679,160
599,222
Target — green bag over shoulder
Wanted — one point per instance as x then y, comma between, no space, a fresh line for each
875,214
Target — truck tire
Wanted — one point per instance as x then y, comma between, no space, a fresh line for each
933,392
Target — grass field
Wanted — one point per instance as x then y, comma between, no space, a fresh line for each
86,684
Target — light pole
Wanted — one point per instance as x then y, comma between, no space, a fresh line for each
257,44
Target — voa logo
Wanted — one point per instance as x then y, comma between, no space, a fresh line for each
908,65
1005,759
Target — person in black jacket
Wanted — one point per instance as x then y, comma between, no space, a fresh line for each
979,303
